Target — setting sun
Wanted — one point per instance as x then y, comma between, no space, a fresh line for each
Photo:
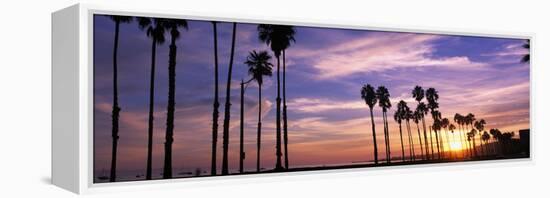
455,146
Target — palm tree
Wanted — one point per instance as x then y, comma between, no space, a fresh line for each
526,57
459,119
445,124
398,117
116,109
369,96
258,67
469,136
469,120
241,134
173,26
452,128
506,141
417,116
436,126
408,117
288,32
432,96
496,135
278,37
480,125
216,112
225,162
383,96
155,31
418,95
485,138
422,109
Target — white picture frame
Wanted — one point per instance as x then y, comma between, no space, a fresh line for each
72,99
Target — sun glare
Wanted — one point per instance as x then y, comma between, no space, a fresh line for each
455,146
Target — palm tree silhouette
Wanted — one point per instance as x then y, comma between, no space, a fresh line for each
480,125
398,117
436,126
383,96
496,135
116,109
469,120
432,96
421,108
242,154
173,26
155,31
225,162
408,117
288,32
259,65
278,37
445,124
369,96
216,112
459,119
417,116
452,128
485,138
526,58
472,140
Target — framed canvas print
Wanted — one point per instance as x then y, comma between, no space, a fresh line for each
144,97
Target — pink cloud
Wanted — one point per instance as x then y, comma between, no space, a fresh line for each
381,52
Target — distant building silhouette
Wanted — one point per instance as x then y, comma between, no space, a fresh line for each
524,141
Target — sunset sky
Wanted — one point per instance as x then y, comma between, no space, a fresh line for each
326,68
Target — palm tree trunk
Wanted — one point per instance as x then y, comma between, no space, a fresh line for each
468,145
449,152
259,127
431,143
167,172
285,128
427,148
374,137
481,144
402,147
148,174
241,139
116,108
411,142
215,113
474,142
463,141
225,162
278,165
420,140
388,145
437,144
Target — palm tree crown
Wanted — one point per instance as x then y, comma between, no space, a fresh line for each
121,19
173,26
432,96
154,28
278,37
418,93
259,65
383,96
526,57
369,95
